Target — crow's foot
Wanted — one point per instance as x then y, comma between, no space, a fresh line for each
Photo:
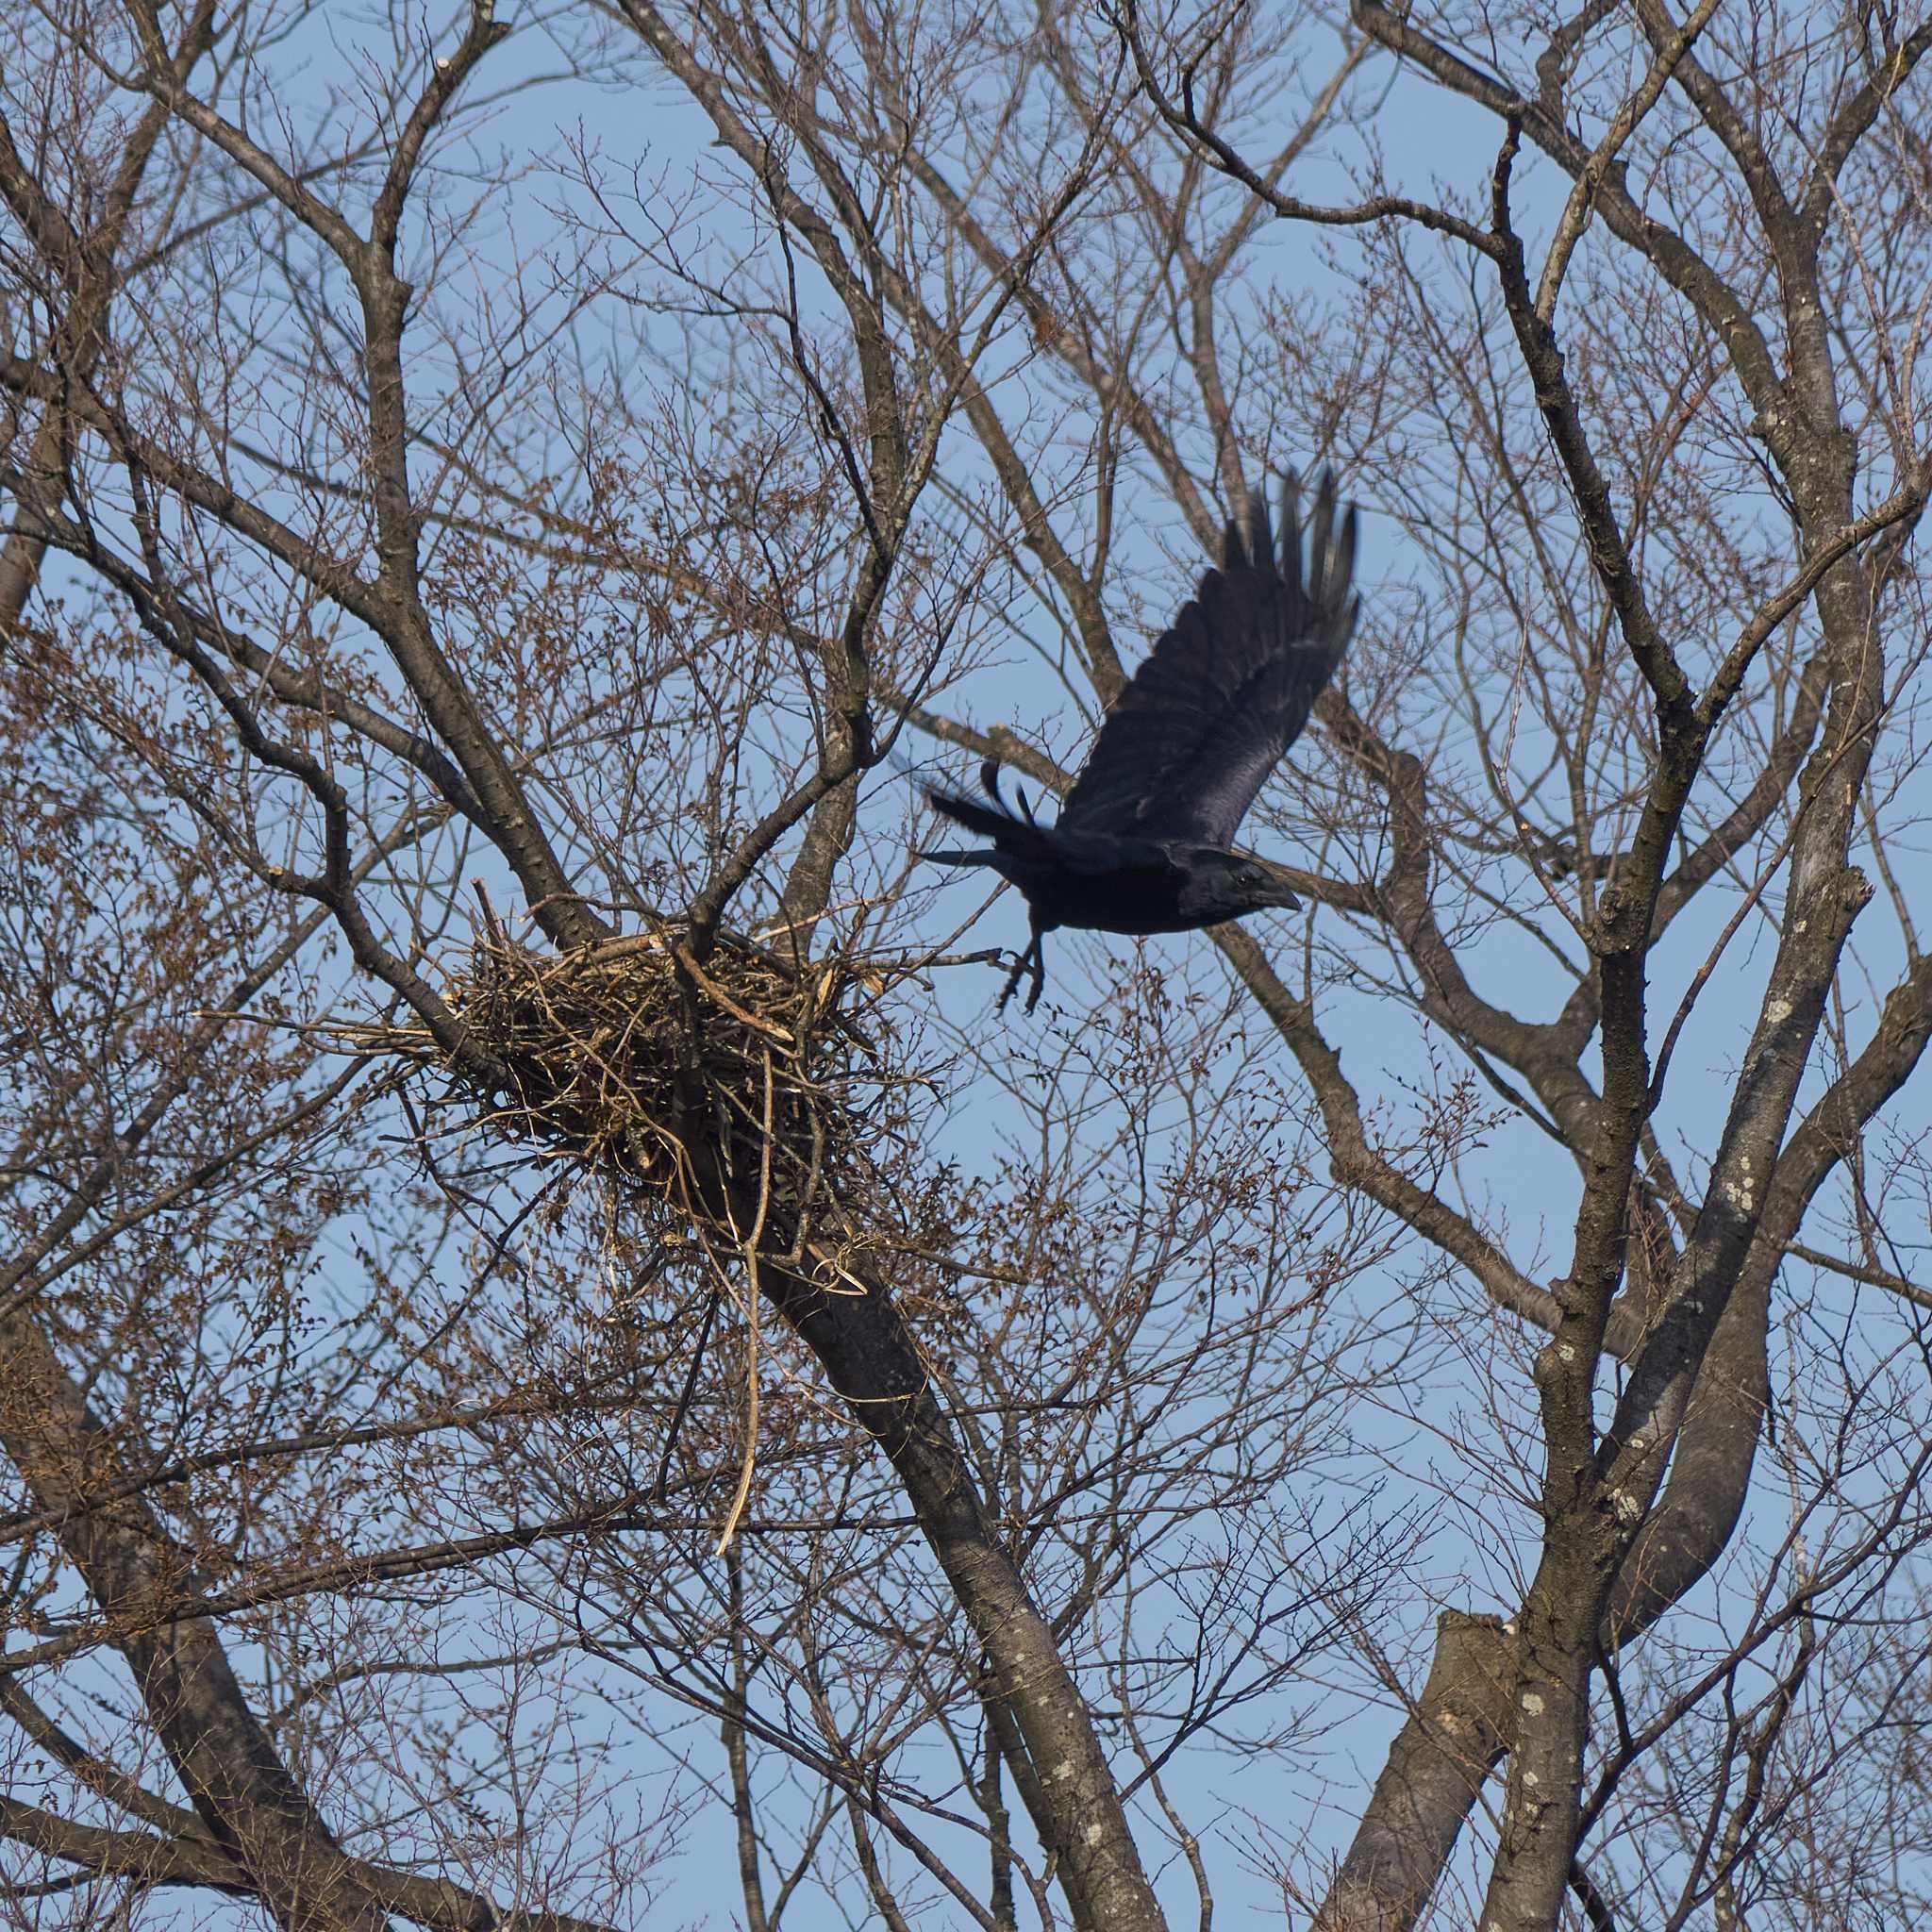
1036,958
1033,957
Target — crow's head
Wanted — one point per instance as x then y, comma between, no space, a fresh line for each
1225,885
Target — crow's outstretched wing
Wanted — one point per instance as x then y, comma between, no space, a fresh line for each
1228,690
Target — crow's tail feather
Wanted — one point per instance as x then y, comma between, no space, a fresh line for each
987,820
960,857
1012,834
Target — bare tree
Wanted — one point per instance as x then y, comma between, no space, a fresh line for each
513,1361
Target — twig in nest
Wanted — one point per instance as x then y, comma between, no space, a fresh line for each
751,1245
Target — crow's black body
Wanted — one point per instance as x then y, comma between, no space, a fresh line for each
1142,842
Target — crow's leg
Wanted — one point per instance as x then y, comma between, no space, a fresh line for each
1034,957
1012,980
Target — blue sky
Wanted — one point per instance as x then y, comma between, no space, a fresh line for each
1521,1179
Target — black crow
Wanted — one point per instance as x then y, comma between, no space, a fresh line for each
1142,843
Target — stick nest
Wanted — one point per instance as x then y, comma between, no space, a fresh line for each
657,1071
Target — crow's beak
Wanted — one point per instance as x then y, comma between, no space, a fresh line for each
1278,891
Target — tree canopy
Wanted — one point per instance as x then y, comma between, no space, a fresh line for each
551,1341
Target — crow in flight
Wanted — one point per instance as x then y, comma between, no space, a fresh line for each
1142,842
